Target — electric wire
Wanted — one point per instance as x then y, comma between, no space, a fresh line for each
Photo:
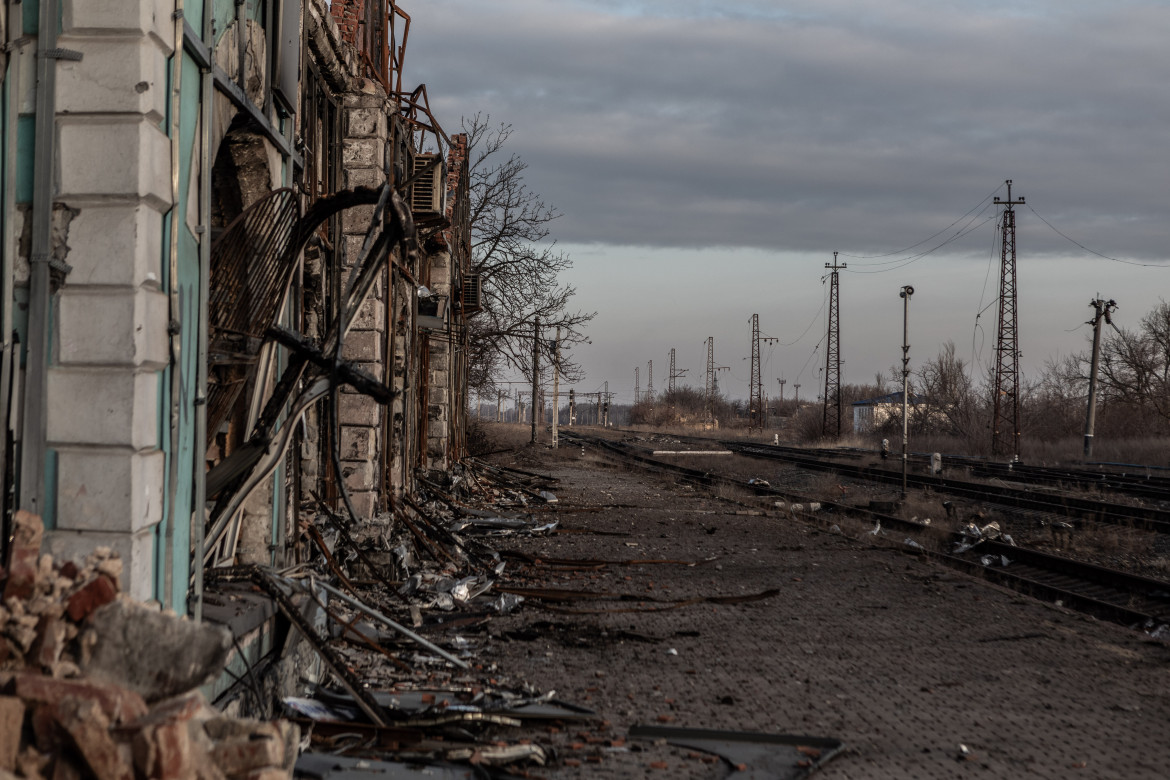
930,237
1093,251
905,261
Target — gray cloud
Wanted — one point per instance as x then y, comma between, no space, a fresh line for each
821,125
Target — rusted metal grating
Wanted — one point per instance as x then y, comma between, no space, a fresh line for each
251,266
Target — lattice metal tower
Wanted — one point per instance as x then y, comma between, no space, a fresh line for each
711,389
673,373
1005,420
650,381
757,412
754,399
831,421
637,391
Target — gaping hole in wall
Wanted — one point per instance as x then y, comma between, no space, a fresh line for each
251,261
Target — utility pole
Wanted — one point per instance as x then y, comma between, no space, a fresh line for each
781,381
499,405
605,406
757,414
1102,311
907,291
637,392
572,406
1006,404
831,419
650,383
535,373
556,399
797,401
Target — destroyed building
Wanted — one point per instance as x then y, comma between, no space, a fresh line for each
195,216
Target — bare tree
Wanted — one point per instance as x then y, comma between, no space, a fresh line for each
947,387
1135,365
518,265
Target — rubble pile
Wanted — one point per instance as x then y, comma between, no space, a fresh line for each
95,684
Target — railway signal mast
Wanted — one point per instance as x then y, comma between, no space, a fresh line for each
831,420
1006,401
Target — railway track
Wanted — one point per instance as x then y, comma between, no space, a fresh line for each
1137,602
1146,518
1136,481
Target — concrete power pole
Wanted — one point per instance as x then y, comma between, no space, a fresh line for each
535,374
831,419
907,291
556,399
1102,311
1006,401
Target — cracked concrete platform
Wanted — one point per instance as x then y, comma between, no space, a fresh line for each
902,660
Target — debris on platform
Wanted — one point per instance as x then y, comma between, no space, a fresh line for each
95,684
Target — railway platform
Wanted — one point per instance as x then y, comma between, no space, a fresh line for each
921,671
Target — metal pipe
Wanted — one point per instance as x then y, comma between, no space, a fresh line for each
170,511
401,629
8,356
905,294
34,434
198,521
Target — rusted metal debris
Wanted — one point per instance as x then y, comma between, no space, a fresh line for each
753,755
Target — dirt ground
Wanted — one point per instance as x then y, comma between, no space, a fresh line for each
922,672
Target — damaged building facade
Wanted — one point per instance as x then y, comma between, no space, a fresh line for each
203,201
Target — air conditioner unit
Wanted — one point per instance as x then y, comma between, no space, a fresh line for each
428,194
471,299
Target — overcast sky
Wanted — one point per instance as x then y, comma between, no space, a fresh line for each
709,158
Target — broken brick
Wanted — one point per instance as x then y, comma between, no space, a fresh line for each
63,768
268,773
95,594
89,729
11,724
47,735
118,704
180,708
27,533
164,751
237,756
50,642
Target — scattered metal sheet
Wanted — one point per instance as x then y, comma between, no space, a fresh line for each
752,755
430,702
502,525
316,766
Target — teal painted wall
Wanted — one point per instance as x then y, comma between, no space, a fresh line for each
184,452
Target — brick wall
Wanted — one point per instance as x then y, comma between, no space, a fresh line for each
347,13
360,417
